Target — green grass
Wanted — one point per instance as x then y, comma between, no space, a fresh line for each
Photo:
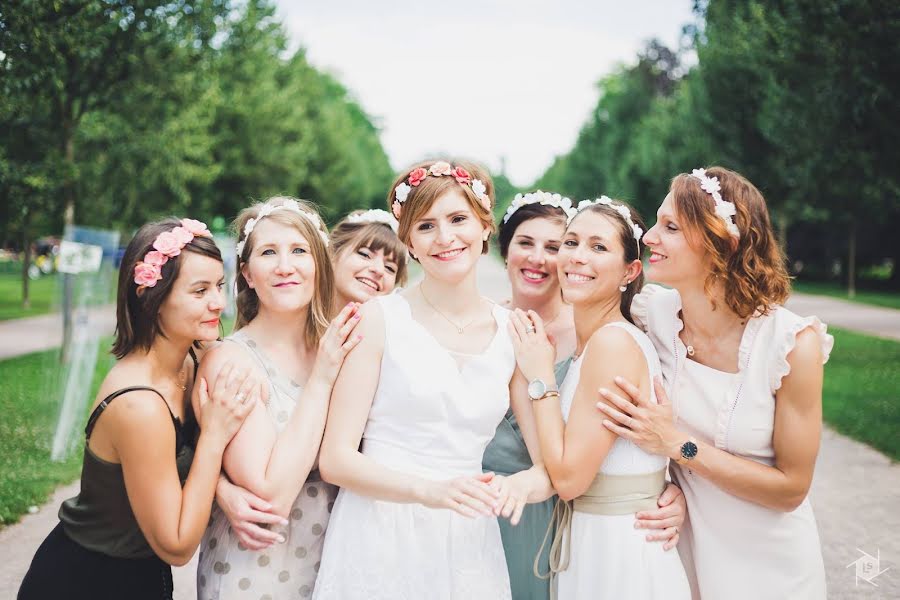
861,397
43,296
863,296
30,409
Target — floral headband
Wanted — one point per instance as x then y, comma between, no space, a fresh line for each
375,215
539,197
438,169
623,211
167,244
724,210
291,205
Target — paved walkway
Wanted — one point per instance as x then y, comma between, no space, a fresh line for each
872,320
34,334
855,492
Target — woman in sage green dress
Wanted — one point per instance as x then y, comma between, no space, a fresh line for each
529,238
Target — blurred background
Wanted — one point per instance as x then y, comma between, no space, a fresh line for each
116,112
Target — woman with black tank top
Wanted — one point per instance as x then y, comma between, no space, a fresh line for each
139,510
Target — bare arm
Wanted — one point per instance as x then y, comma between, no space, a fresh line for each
573,450
273,465
173,518
343,464
798,426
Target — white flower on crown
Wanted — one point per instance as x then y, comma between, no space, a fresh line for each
724,209
479,190
401,192
291,205
375,215
539,197
623,211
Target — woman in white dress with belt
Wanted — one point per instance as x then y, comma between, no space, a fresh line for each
745,378
413,409
602,480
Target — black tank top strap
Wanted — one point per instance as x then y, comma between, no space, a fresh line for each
92,420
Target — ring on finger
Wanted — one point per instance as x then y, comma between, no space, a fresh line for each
240,398
530,329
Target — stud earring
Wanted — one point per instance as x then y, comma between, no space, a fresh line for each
622,288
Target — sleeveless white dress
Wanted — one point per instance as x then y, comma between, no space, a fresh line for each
610,559
733,548
228,570
433,417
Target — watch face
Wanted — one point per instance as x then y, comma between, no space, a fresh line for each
689,450
536,389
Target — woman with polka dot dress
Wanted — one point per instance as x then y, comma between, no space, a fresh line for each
285,292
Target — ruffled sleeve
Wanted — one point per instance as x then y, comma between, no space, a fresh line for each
788,325
640,305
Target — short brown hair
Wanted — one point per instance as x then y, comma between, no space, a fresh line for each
422,196
323,293
137,317
632,249
752,267
346,235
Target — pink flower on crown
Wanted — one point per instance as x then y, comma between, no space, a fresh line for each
440,168
416,177
396,207
462,175
168,244
197,228
183,236
156,258
146,274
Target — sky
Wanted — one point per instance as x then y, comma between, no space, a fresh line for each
508,83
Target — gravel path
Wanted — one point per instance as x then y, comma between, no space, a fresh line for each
855,492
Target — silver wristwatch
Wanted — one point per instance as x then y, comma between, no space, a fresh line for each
538,389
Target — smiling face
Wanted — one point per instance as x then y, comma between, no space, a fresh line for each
591,260
674,260
280,267
192,308
532,257
362,273
448,238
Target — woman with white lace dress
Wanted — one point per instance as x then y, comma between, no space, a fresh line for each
601,480
413,409
745,377
284,296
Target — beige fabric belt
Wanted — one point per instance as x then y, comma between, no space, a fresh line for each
607,495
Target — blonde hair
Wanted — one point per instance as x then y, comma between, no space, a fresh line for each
751,267
346,235
422,196
323,291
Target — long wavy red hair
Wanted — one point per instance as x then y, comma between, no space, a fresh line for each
752,268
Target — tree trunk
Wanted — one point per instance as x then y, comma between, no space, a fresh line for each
851,261
782,234
26,260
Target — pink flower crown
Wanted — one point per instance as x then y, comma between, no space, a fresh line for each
167,244
438,169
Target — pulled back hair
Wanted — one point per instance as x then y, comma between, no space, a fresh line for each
751,268
632,249
347,236
137,316
317,317
525,213
423,196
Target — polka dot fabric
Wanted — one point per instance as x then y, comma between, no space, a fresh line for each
228,570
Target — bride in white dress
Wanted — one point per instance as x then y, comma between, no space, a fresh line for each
602,480
413,409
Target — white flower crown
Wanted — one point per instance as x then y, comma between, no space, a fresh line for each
724,209
375,215
623,211
291,205
540,197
